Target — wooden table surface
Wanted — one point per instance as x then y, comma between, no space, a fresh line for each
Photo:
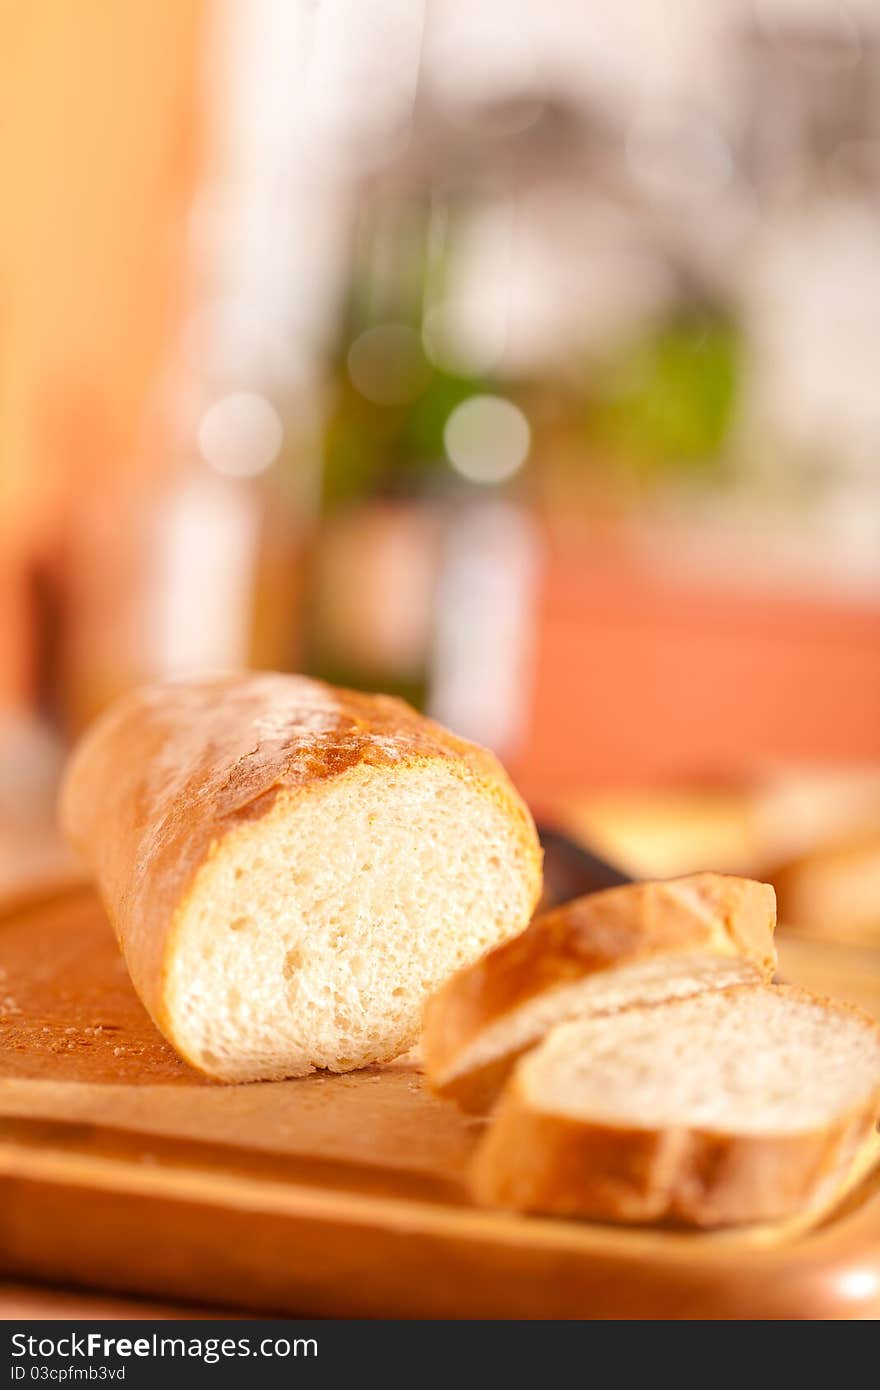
26,1301
30,865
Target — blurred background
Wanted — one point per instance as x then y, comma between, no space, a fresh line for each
519,359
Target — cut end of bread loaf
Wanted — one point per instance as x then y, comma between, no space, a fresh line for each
310,939
727,1108
626,948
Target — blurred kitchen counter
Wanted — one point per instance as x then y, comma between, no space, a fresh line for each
814,835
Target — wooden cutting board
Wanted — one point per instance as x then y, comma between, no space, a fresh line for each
122,1169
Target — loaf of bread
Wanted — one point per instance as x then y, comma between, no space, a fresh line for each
834,891
728,1108
291,869
634,945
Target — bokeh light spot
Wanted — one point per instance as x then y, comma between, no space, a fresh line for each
241,434
487,439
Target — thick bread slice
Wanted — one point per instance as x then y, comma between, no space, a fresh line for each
639,944
291,869
728,1108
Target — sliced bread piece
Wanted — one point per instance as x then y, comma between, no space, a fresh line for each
727,1108
639,944
291,869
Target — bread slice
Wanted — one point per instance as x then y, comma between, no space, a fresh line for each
639,944
292,869
727,1108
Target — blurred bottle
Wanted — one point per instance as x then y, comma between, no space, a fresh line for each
190,563
385,483
424,567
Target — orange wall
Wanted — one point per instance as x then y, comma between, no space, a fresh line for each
641,678
98,139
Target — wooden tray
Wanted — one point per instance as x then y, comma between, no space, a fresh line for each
342,1196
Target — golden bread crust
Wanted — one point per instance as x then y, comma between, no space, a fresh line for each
707,912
